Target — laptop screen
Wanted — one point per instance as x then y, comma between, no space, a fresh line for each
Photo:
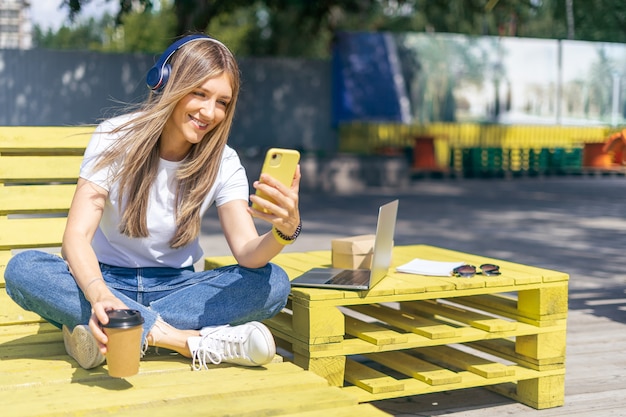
383,244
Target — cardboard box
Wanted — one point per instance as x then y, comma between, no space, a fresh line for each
353,252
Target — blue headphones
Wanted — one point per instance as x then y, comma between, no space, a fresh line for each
159,74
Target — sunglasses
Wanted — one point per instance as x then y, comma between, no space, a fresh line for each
468,271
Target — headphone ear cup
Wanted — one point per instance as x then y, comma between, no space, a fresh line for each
165,75
153,79
157,77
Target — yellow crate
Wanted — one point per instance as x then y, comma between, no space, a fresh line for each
441,333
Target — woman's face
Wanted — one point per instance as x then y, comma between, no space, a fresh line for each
196,114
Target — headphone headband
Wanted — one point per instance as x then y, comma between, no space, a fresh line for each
159,73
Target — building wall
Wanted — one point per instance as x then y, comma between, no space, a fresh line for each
15,25
283,102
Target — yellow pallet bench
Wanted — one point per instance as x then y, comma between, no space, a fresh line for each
414,334
38,171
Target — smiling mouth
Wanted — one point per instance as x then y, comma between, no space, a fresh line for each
198,123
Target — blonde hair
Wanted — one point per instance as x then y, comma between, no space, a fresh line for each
137,151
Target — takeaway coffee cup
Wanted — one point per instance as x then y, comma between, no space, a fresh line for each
124,331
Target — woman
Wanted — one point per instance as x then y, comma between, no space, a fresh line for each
132,231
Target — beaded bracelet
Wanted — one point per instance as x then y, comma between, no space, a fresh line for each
284,239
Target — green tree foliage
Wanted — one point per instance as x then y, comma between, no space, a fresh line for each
306,27
138,31
86,36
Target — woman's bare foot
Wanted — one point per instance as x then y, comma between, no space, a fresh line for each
168,337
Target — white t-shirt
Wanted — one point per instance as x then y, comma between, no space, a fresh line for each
114,248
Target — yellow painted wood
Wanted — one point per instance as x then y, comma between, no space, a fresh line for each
273,404
320,325
5,255
472,318
218,261
39,168
466,361
331,368
481,313
545,301
31,233
540,393
373,333
224,388
361,410
368,137
355,346
11,313
542,346
413,386
34,363
499,304
371,380
44,139
410,322
416,368
36,198
505,349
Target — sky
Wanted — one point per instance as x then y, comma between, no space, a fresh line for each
48,15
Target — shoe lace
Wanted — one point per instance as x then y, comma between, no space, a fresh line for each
217,346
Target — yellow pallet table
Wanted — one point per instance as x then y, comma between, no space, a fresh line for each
414,334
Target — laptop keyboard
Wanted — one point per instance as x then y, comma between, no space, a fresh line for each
356,277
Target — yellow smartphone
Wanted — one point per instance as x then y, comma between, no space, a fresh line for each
280,164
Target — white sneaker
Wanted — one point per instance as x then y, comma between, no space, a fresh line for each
249,344
82,346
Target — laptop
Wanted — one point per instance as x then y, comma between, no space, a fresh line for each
359,279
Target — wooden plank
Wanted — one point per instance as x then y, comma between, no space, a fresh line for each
44,139
370,379
36,198
31,233
468,380
548,301
373,333
25,333
224,390
472,318
406,321
456,358
5,255
11,313
416,368
39,168
505,349
361,410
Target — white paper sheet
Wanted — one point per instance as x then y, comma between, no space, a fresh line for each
426,267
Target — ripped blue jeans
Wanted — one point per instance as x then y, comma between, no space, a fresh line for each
42,283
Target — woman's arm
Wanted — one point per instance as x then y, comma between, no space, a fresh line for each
82,222
250,249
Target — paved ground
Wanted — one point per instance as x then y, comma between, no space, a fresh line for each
572,224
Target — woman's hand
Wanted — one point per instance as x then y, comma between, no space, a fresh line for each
99,318
283,213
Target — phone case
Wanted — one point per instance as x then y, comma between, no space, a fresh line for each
280,164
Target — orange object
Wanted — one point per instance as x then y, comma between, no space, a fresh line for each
616,144
424,153
595,157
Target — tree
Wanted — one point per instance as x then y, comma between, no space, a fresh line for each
307,27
